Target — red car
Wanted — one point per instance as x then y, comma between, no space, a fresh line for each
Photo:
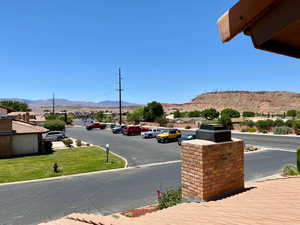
96,125
144,129
132,130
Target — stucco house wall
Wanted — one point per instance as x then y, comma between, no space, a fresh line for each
23,144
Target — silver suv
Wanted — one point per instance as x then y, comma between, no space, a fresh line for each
152,133
55,135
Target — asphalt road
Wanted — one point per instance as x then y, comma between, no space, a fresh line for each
136,150
106,193
276,142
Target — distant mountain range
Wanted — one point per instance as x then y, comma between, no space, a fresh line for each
69,103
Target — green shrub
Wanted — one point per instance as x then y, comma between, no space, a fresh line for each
296,126
289,170
78,143
188,127
248,123
244,130
68,142
55,125
282,130
279,123
264,125
248,114
251,130
289,123
170,198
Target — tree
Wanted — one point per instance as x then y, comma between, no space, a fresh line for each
136,116
249,114
99,116
232,113
16,106
177,114
195,113
291,113
225,120
152,111
210,114
54,125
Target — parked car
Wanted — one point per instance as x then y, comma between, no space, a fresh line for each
144,129
151,133
132,130
55,135
168,136
118,129
96,125
186,138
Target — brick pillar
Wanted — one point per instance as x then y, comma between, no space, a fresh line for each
210,170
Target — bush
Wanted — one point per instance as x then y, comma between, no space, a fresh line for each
264,125
55,125
78,143
289,170
289,123
251,130
244,130
188,127
170,198
279,123
68,142
248,114
282,130
296,126
248,123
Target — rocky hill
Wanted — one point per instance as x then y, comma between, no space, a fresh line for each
265,102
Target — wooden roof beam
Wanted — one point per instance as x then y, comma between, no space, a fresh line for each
241,15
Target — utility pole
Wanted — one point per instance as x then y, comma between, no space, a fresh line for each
53,104
120,96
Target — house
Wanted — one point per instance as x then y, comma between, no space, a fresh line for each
19,138
4,110
28,117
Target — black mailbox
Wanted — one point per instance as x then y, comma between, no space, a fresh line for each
213,132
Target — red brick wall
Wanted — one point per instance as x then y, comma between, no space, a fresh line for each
210,169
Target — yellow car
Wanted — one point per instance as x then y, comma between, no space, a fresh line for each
168,136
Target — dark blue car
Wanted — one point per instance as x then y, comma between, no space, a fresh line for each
186,138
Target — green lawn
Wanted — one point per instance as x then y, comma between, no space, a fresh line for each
70,161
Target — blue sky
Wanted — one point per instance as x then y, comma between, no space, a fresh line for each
169,51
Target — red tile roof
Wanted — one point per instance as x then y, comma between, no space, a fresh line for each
274,202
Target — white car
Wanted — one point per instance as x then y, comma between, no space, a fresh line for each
152,133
